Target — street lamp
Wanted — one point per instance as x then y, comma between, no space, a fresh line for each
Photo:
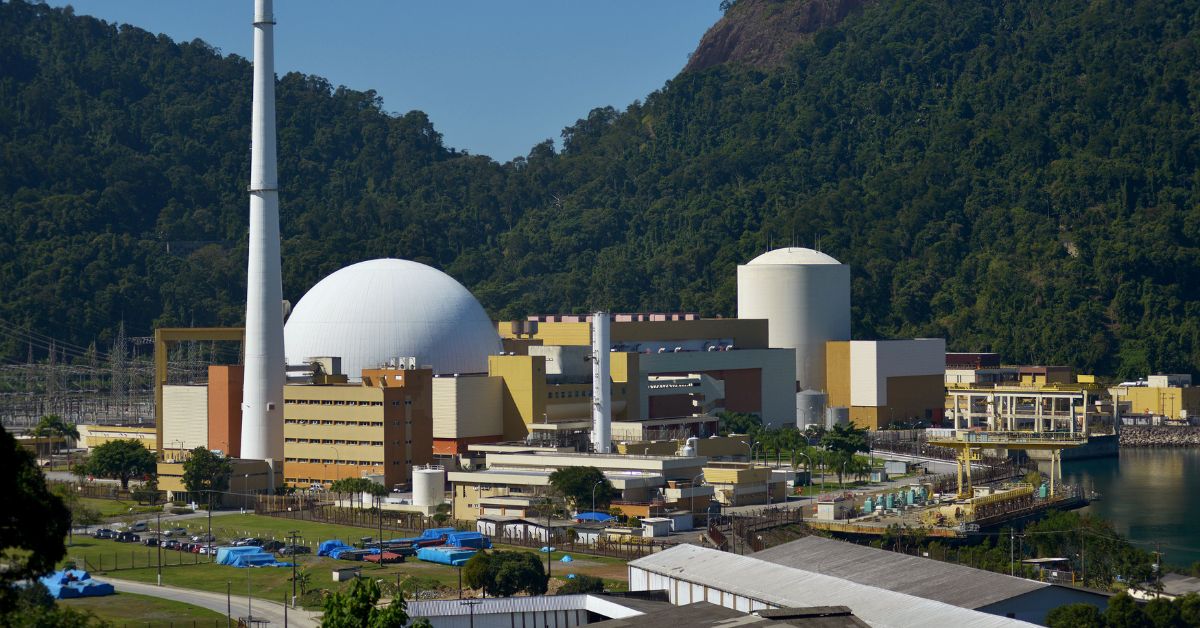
292,534
594,487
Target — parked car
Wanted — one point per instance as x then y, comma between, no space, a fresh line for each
104,533
176,532
150,542
127,537
186,547
196,547
299,549
140,526
246,541
203,538
171,545
273,546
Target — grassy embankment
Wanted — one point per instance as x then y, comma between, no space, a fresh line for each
142,610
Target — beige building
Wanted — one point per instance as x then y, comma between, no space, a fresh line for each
249,478
1169,396
884,381
95,435
381,426
744,484
516,480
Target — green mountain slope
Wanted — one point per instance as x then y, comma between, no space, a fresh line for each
1016,176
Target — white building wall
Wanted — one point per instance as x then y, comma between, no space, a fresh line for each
778,376
185,417
872,362
468,406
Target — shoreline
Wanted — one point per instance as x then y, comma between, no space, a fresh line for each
1158,437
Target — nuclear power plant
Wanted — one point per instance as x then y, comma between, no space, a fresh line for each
392,366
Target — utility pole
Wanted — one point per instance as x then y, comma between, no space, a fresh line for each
292,534
209,537
229,603
1012,542
159,545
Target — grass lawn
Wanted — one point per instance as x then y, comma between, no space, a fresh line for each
109,508
138,562
143,610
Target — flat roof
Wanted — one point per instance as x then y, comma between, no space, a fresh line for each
923,577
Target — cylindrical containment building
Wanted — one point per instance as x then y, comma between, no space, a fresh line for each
805,296
429,485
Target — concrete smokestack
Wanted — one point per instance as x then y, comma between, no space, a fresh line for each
262,396
601,388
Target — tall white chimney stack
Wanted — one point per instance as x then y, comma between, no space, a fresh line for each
601,388
262,392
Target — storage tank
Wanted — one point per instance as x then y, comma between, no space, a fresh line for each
810,408
805,296
429,485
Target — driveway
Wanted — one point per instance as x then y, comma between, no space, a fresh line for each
262,609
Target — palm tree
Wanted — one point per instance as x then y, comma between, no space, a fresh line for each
52,425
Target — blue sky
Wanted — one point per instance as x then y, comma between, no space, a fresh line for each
495,77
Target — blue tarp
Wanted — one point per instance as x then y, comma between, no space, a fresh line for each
260,559
468,539
330,546
431,534
445,555
73,583
226,555
593,516
566,559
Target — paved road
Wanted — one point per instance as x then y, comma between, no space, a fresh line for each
270,611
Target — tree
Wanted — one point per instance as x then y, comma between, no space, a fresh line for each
1075,616
505,573
842,442
577,484
121,460
356,608
205,471
1163,613
739,423
582,584
1124,612
53,426
33,523
358,486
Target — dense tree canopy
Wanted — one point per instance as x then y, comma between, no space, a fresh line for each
1017,177
207,472
583,485
121,460
505,573
33,522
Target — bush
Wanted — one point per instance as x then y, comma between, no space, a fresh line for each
582,584
181,511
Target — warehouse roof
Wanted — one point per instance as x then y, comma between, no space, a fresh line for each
923,577
780,586
706,614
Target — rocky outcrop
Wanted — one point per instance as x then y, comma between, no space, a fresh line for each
1160,436
759,33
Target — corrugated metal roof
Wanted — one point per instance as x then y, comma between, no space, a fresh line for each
782,586
485,606
923,577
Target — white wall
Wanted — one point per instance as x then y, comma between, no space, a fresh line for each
467,406
872,362
185,417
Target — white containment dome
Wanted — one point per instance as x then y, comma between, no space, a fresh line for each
805,296
375,311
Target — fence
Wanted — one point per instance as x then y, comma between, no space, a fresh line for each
135,558
188,623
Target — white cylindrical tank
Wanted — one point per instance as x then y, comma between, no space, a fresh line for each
429,486
689,447
805,296
810,408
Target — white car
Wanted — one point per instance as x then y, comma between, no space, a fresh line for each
176,532
140,526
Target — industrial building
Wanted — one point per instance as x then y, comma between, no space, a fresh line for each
516,479
886,381
690,574
965,587
1157,399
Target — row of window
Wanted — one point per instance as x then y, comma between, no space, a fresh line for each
343,463
334,402
326,441
333,422
569,394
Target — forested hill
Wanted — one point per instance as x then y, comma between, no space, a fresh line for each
1017,176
